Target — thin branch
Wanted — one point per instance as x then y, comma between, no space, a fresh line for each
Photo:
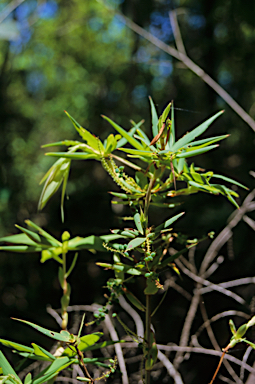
187,326
135,316
191,65
170,368
233,283
249,221
9,8
226,233
203,351
176,32
245,358
215,287
118,349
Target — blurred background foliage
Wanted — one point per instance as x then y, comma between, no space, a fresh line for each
78,56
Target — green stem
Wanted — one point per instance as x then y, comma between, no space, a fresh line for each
148,327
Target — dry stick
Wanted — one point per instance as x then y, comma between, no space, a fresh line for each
215,343
216,287
170,368
118,349
245,358
9,8
226,233
199,350
192,66
139,327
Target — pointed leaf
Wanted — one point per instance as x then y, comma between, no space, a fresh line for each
125,134
189,137
196,152
7,368
18,347
62,336
168,222
20,238
86,342
32,235
75,156
39,351
230,180
154,118
45,234
86,135
137,219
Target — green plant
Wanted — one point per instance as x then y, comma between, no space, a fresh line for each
162,175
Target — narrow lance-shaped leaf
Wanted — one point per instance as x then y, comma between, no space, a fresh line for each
195,132
18,347
230,181
7,368
196,152
86,135
62,336
154,118
135,143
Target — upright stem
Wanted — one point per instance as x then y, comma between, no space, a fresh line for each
148,338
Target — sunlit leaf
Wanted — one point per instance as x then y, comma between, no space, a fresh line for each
189,137
135,243
124,133
62,336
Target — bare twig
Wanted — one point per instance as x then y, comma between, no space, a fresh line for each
118,349
170,368
9,8
176,32
191,65
226,233
204,351
135,316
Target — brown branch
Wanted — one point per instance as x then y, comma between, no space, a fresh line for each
190,65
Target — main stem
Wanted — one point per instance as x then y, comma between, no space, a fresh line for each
148,338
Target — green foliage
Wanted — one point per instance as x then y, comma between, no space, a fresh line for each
140,251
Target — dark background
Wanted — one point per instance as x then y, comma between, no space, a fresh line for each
77,56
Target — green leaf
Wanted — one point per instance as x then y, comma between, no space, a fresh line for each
18,347
165,113
62,336
121,268
189,137
20,248
135,243
124,133
28,379
45,234
152,354
195,152
229,180
7,368
137,220
85,343
59,171
137,152
154,118
172,133
32,235
86,135
58,365
20,238
39,351
63,142
75,156
151,287
167,223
